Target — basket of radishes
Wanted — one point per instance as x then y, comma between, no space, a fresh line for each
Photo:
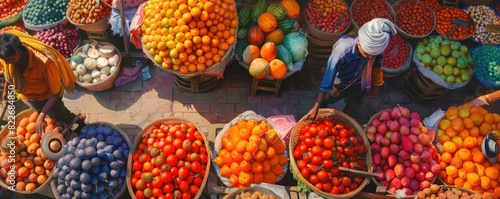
318,148
377,9
402,151
327,20
63,38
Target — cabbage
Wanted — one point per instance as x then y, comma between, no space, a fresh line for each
296,44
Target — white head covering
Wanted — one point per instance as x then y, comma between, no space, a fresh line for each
374,35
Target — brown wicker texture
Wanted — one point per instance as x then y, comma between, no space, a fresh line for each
407,35
318,34
476,2
124,136
146,131
342,117
100,25
262,190
374,179
5,132
446,34
106,83
356,25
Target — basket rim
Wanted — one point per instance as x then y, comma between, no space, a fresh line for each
472,23
19,116
124,136
12,20
93,26
403,68
357,26
375,179
342,117
404,33
41,27
233,194
497,15
146,130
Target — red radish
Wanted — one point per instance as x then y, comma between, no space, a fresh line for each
375,147
414,184
378,137
376,158
394,126
407,163
396,183
405,181
415,158
395,112
371,137
424,139
426,156
385,115
403,121
414,123
404,130
382,128
376,122
413,138
424,167
385,141
395,137
416,167
399,170
420,176
392,160
429,176
405,112
407,190
424,184
384,152
394,149
409,172
404,154
389,174
432,134
418,148
371,129
415,115
435,169
406,143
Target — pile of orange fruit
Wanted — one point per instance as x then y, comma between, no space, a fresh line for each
188,35
252,152
460,133
32,167
329,6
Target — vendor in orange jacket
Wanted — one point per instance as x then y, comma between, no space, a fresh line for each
353,69
40,76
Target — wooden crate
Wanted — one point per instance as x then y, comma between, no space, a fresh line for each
419,87
318,51
197,83
266,85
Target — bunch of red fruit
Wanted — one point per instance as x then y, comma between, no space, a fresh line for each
396,54
365,10
333,22
433,4
414,17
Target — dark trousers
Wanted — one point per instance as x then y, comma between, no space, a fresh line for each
353,96
59,112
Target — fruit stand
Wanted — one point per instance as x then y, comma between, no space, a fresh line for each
396,154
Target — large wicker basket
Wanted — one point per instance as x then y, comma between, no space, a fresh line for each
446,35
146,131
342,117
318,34
374,179
33,27
357,26
53,185
4,133
100,25
407,35
106,83
262,190
392,72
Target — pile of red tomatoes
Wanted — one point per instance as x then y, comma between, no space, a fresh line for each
365,10
325,145
414,17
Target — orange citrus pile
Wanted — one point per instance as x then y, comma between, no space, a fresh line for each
329,6
32,167
188,35
461,132
251,153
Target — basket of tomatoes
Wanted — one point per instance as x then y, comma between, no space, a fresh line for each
327,20
378,9
170,157
250,150
454,23
414,19
319,148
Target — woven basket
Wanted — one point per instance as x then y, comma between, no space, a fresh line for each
457,39
342,117
392,72
357,26
483,27
12,20
28,26
318,34
449,187
106,83
53,185
374,179
100,25
407,35
146,131
262,190
5,132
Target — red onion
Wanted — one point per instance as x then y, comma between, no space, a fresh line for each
62,38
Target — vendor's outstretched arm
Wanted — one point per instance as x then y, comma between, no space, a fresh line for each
39,124
313,113
485,99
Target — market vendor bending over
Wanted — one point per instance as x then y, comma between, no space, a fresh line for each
39,74
354,70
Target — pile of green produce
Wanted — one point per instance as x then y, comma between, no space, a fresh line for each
487,65
45,12
447,58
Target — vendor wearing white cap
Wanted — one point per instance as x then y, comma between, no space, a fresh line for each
354,68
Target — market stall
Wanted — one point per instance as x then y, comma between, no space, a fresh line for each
399,153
